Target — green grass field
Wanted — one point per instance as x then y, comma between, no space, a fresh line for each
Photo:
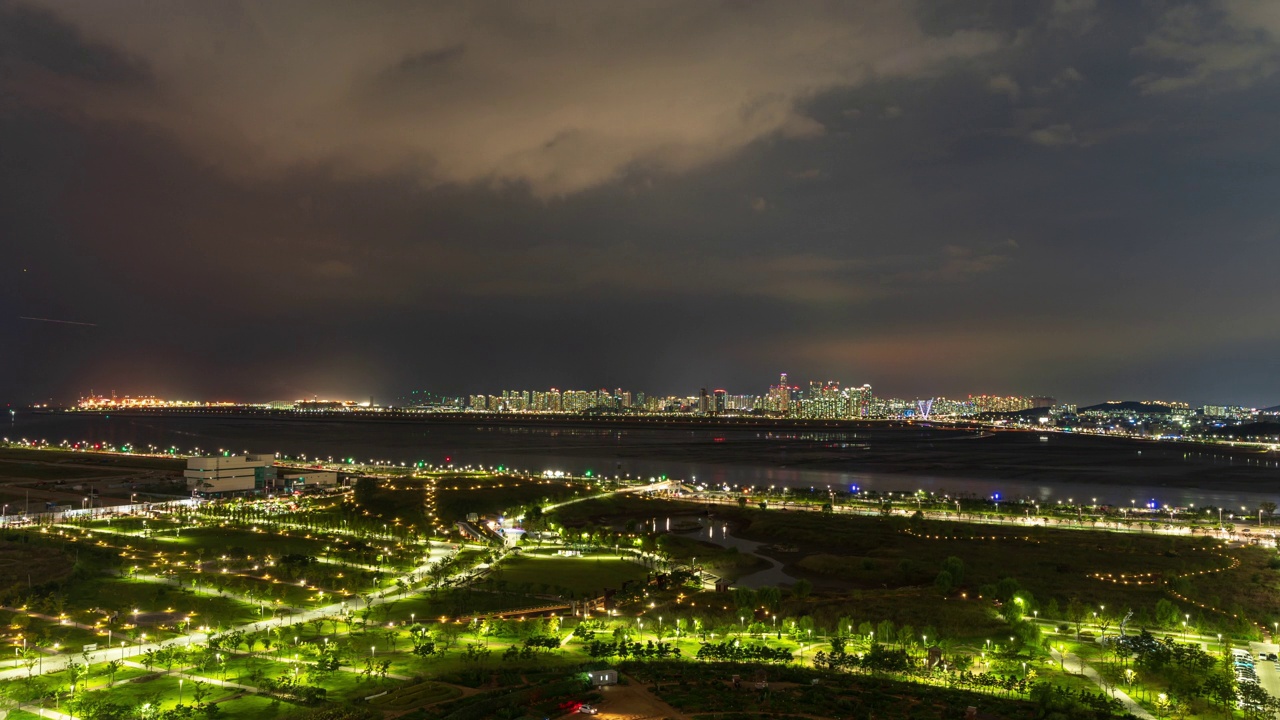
579,576
412,696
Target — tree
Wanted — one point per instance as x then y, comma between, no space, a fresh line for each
1167,614
943,583
1267,507
801,589
75,673
1075,614
885,631
112,668
29,660
1256,702
200,691
770,597
955,567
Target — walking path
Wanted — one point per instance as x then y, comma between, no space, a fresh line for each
1080,668
59,663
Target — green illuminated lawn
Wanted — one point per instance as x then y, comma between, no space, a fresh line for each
576,575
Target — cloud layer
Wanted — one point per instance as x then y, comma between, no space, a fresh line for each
558,97
265,199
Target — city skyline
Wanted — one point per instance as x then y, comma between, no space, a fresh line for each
782,393
814,399
288,199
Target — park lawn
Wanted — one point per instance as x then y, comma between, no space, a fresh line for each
457,603
244,707
569,576
238,668
96,679
618,508
217,541
728,563
255,707
127,594
961,619
131,528
414,696
1144,689
98,676
21,563
291,594
69,637
862,556
453,663
142,690
498,494
345,685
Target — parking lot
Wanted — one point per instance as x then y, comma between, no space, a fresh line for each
1268,671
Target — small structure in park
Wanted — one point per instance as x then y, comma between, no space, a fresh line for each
602,677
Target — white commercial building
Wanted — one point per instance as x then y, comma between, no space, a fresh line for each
230,474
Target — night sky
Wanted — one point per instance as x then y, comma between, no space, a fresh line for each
269,200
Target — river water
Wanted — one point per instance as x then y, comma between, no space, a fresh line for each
715,457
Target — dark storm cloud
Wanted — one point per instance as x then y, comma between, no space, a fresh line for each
278,199
35,39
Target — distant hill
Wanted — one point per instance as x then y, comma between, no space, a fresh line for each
1134,406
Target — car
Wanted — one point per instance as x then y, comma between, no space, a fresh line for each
1272,656
588,710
